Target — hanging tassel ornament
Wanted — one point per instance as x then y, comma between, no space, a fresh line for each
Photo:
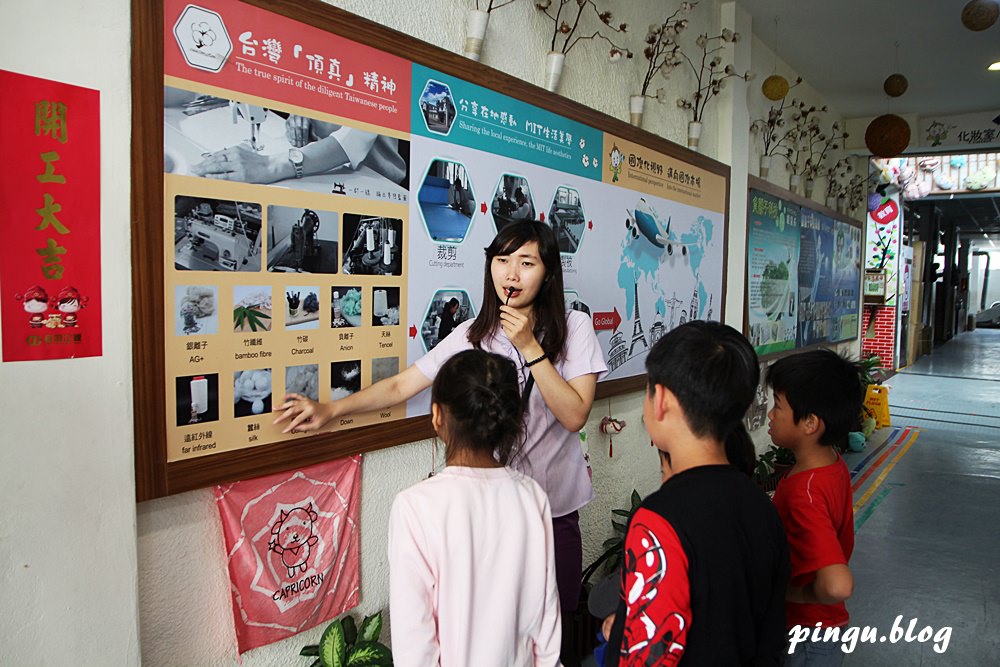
610,426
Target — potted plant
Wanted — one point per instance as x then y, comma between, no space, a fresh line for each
662,56
772,133
772,465
710,78
614,546
343,645
584,626
565,36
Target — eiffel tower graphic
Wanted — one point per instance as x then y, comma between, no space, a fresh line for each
637,335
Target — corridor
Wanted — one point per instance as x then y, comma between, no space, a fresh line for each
927,513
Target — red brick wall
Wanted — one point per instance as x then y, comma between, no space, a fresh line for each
884,341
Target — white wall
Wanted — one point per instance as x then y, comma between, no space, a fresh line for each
68,529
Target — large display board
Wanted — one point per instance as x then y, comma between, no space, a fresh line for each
803,272
327,189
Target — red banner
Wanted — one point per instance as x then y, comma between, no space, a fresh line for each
292,543
233,45
50,261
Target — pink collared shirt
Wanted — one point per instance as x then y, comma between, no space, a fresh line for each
472,573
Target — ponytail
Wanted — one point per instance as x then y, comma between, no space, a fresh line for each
740,450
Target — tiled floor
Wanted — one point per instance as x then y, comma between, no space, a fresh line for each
927,512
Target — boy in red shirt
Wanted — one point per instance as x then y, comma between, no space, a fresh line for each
817,400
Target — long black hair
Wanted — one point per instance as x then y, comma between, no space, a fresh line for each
481,403
549,306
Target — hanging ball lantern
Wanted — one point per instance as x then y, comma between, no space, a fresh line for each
887,136
895,85
980,14
775,87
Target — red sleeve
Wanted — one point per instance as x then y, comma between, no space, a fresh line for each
657,593
808,517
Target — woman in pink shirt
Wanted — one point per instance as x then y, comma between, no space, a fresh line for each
559,361
471,571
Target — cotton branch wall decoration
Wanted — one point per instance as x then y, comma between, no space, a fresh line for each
709,73
771,130
662,51
566,26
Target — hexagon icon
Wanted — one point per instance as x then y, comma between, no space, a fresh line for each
512,201
567,219
448,308
437,106
446,201
203,38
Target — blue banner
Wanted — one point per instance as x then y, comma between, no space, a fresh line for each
456,111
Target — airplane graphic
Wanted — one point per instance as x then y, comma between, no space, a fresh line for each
645,221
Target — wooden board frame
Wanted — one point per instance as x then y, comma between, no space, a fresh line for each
155,476
757,183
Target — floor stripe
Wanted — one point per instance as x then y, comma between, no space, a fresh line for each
858,468
860,520
953,377
946,412
948,421
878,481
856,485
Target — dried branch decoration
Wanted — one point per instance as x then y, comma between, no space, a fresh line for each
565,26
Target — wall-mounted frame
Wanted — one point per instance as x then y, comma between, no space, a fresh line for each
332,275
874,287
803,272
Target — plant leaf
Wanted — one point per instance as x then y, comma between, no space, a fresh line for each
371,628
332,646
612,543
317,662
619,526
636,499
350,630
369,654
624,513
310,649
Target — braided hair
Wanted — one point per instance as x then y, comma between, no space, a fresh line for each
478,392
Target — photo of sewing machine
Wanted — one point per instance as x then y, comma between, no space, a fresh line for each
216,235
302,240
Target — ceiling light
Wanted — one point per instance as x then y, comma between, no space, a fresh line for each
995,67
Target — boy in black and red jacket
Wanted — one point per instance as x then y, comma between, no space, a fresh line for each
706,561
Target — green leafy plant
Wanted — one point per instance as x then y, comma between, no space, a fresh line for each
344,645
869,368
614,546
770,461
251,317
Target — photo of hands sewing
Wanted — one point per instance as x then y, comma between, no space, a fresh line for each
230,140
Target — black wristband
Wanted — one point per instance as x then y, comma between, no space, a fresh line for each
529,364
